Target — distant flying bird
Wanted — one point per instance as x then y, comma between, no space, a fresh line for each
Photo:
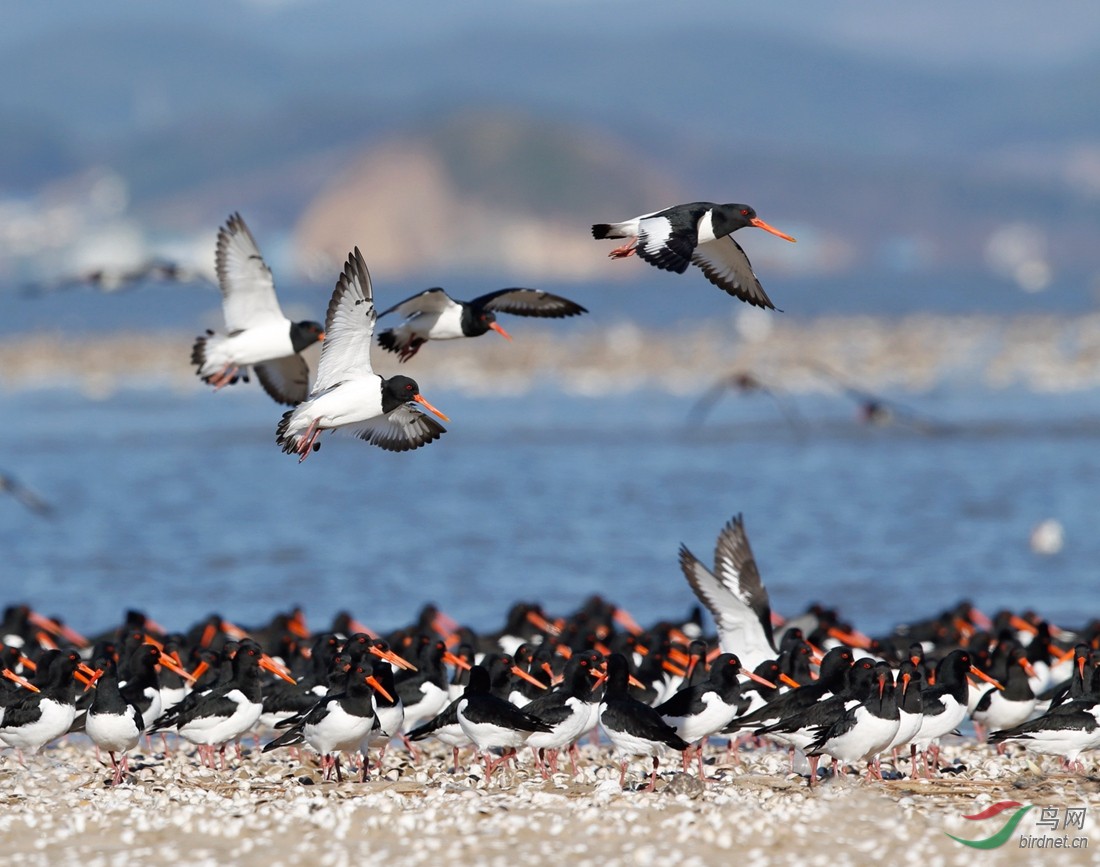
699,233
348,394
434,315
11,485
114,279
741,382
258,334
875,410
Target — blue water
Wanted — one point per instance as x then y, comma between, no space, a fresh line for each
181,504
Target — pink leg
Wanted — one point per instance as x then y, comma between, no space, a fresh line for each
653,777
624,251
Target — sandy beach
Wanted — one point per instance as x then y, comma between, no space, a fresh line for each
271,809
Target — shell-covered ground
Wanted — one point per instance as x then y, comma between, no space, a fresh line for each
273,809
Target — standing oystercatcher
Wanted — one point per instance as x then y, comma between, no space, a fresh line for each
634,728
493,723
867,722
434,315
258,334
35,719
348,394
338,722
566,709
943,706
696,233
114,723
226,712
698,711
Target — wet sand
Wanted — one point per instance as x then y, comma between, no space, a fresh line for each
273,809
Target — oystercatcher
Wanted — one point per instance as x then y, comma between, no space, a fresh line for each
634,728
492,723
567,709
258,334
338,722
735,595
1066,730
702,709
434,315
997,709
114,723
35,719
697,233
228,711
867,722
943,705
348,394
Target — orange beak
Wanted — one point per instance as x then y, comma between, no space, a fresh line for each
790,681
15,678
269,664
200,670
297,626
420,399
70,635
392,658
456,661
523,675
760,224
1026,666
977,672
232,631
852,639
761,680
623,618
500,331
358,626
905,678
1022,625
672,668
381,690
541,623
170,663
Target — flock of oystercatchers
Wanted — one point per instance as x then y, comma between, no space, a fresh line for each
812,684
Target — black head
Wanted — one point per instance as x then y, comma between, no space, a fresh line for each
398,390
306,333
475,321
731,217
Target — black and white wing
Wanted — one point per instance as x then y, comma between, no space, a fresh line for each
725,264
528,302
285,379
402,430
248,289
429,301
735,596
664,243
349,326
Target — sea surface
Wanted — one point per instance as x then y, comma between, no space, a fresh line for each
180,504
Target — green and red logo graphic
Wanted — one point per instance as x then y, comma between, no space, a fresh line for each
1001,836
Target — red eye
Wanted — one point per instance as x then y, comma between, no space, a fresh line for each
744,212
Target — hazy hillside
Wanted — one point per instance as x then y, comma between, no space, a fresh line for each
538,119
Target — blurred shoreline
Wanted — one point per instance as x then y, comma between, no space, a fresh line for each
917,353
